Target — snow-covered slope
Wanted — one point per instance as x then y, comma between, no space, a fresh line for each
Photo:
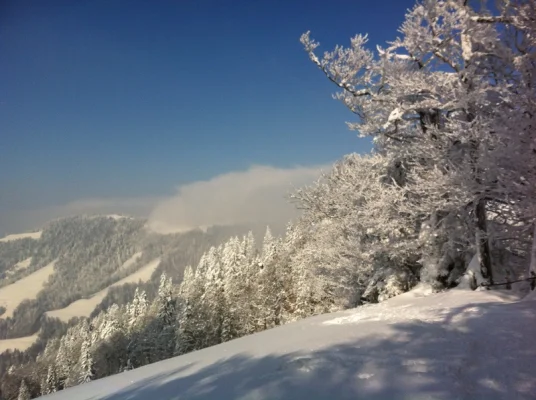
21,344
84,307
452,345
26,288
18,236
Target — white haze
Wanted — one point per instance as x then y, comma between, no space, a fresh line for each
257,195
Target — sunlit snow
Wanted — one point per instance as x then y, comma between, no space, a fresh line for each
452,345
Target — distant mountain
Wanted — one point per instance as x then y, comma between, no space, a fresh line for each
74,258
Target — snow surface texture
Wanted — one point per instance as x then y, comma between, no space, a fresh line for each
18,236
17,344
452,345
26,288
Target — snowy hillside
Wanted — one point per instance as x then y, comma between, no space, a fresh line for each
69,266
451,345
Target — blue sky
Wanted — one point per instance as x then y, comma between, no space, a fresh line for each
128,99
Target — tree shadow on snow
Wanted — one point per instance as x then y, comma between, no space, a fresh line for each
446,359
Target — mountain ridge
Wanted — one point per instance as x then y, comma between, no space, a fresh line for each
90,252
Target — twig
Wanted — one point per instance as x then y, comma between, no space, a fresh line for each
485,284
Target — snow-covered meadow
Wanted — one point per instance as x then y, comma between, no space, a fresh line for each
450,345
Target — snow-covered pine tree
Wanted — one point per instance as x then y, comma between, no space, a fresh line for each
166,320
249,247
137,309
111,355
51,381
213,301
62,364
111,322
182,345
268,246
165,301
232,259
271,294
73,351
190,293
247,298
87,369
24,391
139,348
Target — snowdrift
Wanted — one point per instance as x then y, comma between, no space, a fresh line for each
451,345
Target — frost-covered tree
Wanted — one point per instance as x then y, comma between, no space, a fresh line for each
137,309
24,392
185,339
269,248
248,307
233,286
165,323
191,324
111,347
429,100
86,364
213,301
353,237
111,322
51,383
274,283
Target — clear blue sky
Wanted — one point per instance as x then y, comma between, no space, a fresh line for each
131,98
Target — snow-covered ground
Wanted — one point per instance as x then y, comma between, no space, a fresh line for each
17,236
17,344
452,345
131,261
19,266
26,288
84,307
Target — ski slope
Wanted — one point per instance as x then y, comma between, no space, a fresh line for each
451,345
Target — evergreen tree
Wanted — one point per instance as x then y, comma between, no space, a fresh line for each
268,246
24,392
51,381
137,309
166,320
87,370
234,280
190,296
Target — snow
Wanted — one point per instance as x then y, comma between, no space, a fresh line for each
84,307
473,276
531,296
17,236
117,216
21,265
449,345
395,115
26,288
18,343
130,262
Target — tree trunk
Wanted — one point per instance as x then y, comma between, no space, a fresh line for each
482,241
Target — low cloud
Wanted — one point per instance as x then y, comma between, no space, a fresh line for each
257,195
